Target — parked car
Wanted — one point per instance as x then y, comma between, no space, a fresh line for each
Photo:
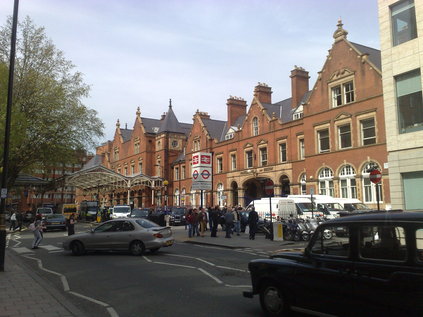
55,221
130,234
177,216
139,213
375,269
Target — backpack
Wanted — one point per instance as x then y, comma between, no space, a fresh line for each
32,226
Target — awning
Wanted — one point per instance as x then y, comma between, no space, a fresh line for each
92,179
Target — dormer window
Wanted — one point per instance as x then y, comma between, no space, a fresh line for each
229,135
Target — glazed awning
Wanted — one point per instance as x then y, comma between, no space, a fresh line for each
92,179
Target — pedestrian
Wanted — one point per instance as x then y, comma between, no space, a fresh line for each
19,220
214,218
229,222
196,222
13,221
252,223
37,229
237,220
71,224
190,221
202,218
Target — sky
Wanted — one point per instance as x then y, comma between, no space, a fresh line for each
141,53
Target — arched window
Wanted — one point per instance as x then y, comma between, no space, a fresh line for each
177,199
255,126
183,197
347,182
303,180
369,189
220,194
326,182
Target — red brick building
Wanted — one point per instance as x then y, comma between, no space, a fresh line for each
326,138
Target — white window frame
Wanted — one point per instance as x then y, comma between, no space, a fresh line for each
341,134
341,94
176,173
362,131
220,192
301,149
326,186
233,162
255,126
347,182
249,154
283,152
263,156
320,139
219,164
303,182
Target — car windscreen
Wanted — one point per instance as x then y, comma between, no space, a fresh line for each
45,211
146,223
120,210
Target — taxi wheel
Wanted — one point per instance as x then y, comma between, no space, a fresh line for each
273,301
137,247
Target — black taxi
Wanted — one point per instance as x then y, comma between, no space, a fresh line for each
375,268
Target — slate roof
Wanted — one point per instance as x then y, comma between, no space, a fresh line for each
216,128
374,54
151,125
170,123
126,134
97,160
26,179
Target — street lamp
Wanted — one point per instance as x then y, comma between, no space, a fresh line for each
165,183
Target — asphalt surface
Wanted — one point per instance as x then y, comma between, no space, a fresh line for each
199,276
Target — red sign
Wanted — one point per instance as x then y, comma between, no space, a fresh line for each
195,159
202,159
269,187
205,160
375,176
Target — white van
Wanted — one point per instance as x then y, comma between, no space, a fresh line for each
352,204
305,209
120,211
328,206
262,206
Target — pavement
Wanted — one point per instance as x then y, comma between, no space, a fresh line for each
23,293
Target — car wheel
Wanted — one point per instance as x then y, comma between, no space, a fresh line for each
154,250
137,247
77,248
272,300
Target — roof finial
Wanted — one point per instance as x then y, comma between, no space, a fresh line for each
117,124
340,32
170,103
138,113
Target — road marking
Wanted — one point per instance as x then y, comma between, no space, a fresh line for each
232,268
50,247
204,261
112,312
180,265
210,275
147,259
238,286
22,250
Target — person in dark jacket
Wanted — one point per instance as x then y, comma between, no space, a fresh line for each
214,217
71,225
229,222
252,223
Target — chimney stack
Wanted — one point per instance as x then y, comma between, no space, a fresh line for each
263,93
299,85
236,108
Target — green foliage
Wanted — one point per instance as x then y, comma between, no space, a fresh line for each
49,121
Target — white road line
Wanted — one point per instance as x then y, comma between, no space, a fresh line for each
57,251
204,261
112,312
147,259
22,250
50,247
231,268
89,299
179,265
210,275
238,286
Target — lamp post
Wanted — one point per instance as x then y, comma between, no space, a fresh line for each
3,195
165,183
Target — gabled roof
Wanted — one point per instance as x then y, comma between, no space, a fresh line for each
126,134
374,54
151,125
97,160
216,128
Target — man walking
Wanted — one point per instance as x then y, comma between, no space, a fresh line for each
237,220
252,223
229,221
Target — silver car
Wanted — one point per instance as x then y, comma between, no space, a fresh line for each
134,235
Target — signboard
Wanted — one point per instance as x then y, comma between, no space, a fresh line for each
202,159
203,174
375,176
199,185
269,187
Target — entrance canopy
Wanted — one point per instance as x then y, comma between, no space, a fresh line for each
91,179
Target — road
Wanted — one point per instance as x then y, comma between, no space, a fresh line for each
185,279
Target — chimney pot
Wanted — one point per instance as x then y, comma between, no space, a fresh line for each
263,93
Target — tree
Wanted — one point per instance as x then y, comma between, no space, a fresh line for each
50,123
